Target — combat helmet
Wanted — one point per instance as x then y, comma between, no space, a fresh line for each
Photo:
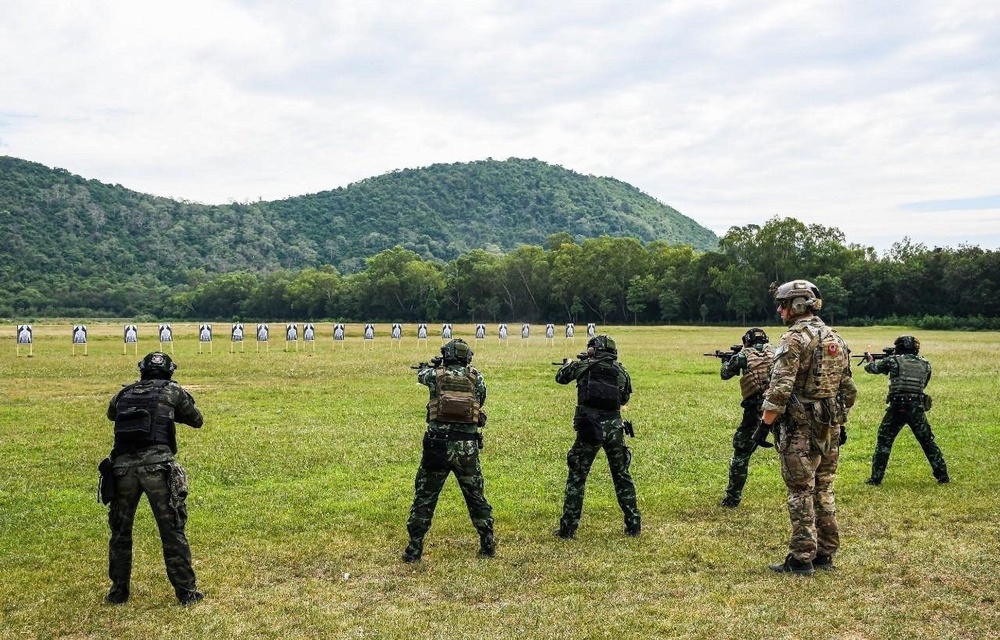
907,344
157,365
456,350
800,296
604,343
754,336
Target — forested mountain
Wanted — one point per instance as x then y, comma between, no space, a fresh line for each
58,230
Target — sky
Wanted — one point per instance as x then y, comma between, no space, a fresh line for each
880,118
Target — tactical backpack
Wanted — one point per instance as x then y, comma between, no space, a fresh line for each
136,414
456,399
827,357
598,387
758,375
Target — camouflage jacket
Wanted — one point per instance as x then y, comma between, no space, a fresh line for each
427,376
795,363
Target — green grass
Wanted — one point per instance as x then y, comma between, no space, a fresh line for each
302,478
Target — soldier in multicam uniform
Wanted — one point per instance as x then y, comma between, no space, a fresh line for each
807,400
603,387
142,461
754,363
451,445
908,374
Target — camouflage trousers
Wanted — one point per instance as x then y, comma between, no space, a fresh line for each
579,460
743,448
153,472
896,417
460,457
809,473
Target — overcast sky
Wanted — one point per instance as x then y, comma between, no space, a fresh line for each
880,118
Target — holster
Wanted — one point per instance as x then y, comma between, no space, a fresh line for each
105,482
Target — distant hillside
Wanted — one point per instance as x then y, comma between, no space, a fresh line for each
57,228
445,210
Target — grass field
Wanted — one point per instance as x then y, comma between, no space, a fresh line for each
302,477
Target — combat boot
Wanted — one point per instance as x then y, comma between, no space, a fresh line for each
487,546
823,562
633,529
729,502
791,565
116,596
565,533
943,479
190,597
412,553
874,481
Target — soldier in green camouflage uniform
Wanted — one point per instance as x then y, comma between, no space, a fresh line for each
603,387
142,462
808,398
753,363
451,445
908,374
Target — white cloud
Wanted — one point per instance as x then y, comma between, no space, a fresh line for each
733,112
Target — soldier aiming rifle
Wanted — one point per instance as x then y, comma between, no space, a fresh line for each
887,351
725,356
433,364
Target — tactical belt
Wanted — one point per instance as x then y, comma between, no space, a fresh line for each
452,435
164,455
904,398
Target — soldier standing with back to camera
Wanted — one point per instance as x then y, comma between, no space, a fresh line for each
908,374
807,400
142,461
754,363
603,387
451,445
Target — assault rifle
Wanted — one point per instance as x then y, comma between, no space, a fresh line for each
434,363
887,351
725,356
579,356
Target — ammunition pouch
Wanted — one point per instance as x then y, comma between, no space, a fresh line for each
105,481
588,429
928,402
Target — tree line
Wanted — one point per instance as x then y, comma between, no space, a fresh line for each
608,280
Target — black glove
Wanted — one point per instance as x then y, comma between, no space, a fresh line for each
760,435
843,435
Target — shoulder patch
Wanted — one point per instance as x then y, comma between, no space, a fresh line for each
780,351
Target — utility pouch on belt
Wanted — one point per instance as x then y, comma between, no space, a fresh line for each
928,403
178,481
588,429
105,482
435,455
796,412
